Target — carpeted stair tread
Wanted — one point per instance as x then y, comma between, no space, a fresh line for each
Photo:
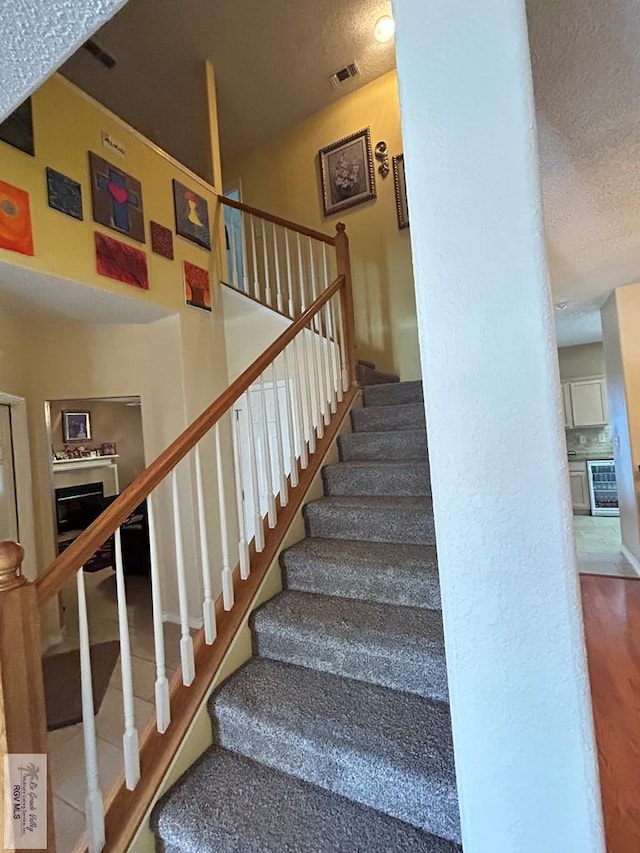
390,573
373,518
393,394
384,748
402,478
227,802
398,647
367,375
388,445
382,418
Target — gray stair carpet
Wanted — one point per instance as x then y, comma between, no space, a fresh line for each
367,374
336,736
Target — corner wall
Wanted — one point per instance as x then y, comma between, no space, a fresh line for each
283,178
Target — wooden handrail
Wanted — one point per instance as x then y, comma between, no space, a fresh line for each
278,220
64,567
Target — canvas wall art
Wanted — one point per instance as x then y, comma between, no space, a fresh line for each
161,240
117,198
15,220
346,172
192,215
402,209
64,194
17,129
121,262
197,287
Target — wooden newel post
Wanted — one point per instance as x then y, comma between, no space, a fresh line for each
344,268
23,727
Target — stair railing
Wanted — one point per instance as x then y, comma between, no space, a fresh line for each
277,262
313,363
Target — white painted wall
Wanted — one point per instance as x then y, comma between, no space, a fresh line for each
522,723
36,37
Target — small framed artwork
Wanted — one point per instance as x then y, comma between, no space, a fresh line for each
117,198
121,262
108,448
76,426
64,194
15,220
17,129
197,287
346,172
192,215
161,240
401,191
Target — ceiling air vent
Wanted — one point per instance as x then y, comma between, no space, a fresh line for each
98,53
344,74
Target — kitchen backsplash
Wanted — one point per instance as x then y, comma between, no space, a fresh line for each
591,438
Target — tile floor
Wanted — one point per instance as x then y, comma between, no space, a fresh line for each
598,544
66,747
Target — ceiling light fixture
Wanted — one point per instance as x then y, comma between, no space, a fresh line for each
384,29
561,306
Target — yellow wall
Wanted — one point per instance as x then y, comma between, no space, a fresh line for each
67,125
283,178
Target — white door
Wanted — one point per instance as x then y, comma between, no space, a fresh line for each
8,502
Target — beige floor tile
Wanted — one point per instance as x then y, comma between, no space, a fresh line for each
110,718
68,774
70,825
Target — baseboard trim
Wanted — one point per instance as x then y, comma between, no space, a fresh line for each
629,556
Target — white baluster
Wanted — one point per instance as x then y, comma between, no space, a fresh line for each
335,346
317,342
208,604
327,344
292,308
130,736
245,265
227,576
290,419
311,335
259,527
302,442
284,486
163,707
243,548
271,501
186,643
276,261
303,296
234,260
265,255
305,380
256,283
343,361
94,808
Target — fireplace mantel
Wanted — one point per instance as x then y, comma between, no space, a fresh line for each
87,463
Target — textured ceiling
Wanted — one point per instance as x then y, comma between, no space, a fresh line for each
578,327
36,37
272,62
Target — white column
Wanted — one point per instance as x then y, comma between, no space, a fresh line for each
521,712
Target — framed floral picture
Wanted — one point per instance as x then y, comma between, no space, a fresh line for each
402,208
346,172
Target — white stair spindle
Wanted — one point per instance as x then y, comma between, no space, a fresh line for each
301,282
284,485
234,259
208,604
305,380
163,706
227,576
130,736
245,265
317,342
292,308
94,807
343,361
298,408
335,346
265,256
258,523
327,343
243,548
276,262
312,338
186,643
293,462
271,501
254,257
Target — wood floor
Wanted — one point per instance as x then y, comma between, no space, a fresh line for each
612,627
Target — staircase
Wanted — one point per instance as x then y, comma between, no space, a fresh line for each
336,735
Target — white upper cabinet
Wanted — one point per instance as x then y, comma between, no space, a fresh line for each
588,402
566,399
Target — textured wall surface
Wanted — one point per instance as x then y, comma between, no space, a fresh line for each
36,37
522,726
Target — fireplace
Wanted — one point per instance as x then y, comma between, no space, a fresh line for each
78,506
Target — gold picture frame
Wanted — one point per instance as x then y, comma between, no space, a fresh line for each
347,175
399,181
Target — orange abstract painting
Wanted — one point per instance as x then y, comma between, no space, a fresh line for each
15,220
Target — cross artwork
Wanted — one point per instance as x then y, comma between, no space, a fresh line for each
117,198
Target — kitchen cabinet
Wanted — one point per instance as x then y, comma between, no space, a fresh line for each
579,483
585,402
